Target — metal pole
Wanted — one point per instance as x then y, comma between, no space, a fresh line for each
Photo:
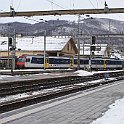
44,49
13,53
12,62
110,33
90,62
90,57
83,47
8,44
14,50
78,44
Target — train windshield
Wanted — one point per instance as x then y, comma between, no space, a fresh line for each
21,60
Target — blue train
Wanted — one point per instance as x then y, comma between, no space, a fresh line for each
37,61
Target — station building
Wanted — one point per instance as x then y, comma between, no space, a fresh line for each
55,46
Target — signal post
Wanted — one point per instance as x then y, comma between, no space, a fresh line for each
92,50
12,47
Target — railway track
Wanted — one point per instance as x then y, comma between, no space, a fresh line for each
17,87
61,91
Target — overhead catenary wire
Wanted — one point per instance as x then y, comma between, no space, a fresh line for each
31,19
92,4
55,4
18,5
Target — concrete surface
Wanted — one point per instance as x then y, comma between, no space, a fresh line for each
81,108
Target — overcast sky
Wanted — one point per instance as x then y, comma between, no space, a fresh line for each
32,5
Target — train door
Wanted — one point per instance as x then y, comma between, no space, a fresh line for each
71,62
46,63
105,66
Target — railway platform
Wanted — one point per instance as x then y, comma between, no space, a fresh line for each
78,108
23,75
37,74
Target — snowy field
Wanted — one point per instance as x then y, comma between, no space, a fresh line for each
115,115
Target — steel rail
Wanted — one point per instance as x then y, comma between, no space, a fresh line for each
35,85
15,104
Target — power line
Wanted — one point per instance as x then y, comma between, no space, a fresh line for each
73,4
31,19
55,4
92,4
97,3
18,5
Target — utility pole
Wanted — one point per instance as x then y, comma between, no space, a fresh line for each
92,50
44,49
78,43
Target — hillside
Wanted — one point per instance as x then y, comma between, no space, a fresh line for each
62,27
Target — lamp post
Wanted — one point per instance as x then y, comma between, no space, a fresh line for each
44,49
78,44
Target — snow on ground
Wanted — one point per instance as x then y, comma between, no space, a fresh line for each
86,73
5,76
83,73
115,115
28,94
79,73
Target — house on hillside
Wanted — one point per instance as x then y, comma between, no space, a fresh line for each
101,50
55,46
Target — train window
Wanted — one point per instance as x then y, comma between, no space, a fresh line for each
28,60
51,60
64,61
94,62
37,60
86,61
81,61
100,62
75,61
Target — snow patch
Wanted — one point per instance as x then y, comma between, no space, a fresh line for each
83,73
115,115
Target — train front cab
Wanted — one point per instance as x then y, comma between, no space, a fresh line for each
20,64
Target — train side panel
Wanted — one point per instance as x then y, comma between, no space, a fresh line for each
59,62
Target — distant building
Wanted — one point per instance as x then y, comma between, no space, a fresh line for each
101,50
55,46
19,35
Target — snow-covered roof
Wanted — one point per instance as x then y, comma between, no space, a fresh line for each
35,43
117,55
100,49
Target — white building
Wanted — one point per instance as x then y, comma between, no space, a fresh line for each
101,50
55,46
